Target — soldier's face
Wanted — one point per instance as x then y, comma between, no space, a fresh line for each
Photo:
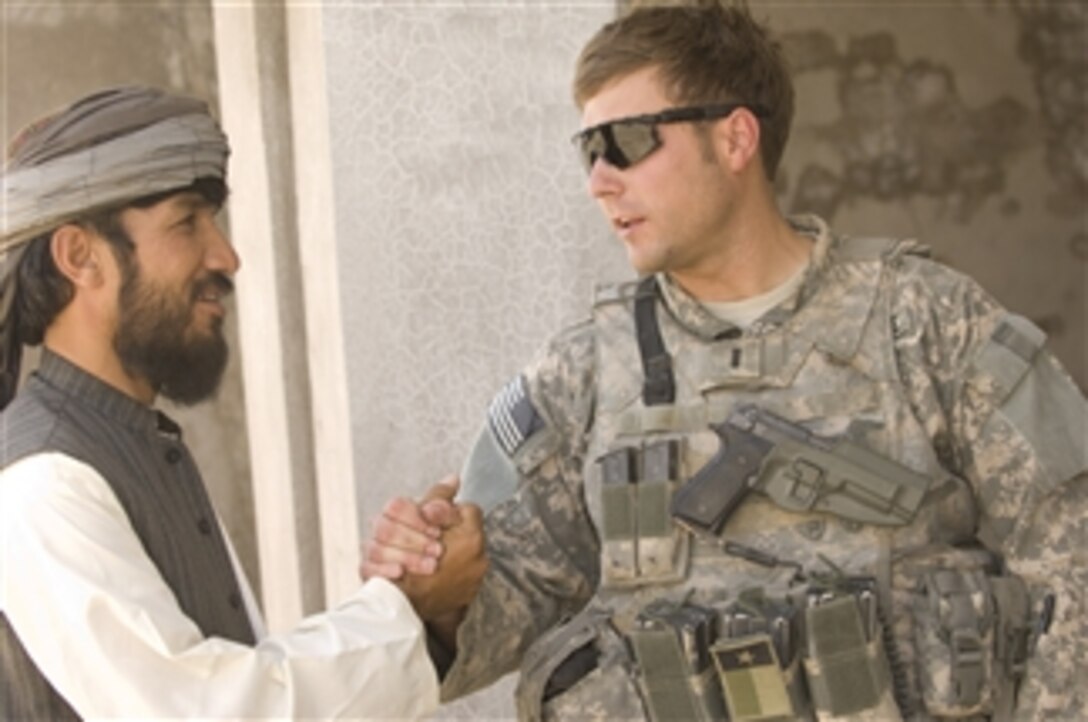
672,207
170,301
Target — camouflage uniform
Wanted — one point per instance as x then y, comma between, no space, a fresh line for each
899,355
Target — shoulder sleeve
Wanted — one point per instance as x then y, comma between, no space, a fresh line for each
982,382
488,475
543,411
1015,425
560,385
541,544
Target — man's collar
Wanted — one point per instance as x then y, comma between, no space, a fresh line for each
89,390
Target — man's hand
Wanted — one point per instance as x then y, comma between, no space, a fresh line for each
406,535
433,550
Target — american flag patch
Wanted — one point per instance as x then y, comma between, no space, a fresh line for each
512,416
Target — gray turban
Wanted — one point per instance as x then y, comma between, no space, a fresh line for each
103,151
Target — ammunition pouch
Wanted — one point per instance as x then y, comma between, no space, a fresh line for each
671,644
972,634
640,543
816,654
845,662
758,661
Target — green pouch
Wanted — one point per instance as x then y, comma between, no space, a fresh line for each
845,665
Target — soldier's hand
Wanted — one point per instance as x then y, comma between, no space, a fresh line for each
406,536
441,597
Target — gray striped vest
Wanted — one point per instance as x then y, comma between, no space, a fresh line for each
140,453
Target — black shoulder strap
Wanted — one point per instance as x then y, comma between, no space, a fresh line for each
659,387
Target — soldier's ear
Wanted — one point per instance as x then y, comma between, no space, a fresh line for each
736,138
77,254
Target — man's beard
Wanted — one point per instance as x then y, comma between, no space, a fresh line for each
154,340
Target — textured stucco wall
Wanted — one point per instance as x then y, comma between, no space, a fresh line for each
465,238
52,53
463,231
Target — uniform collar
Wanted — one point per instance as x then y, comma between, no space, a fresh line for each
693,316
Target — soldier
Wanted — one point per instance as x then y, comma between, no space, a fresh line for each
786,474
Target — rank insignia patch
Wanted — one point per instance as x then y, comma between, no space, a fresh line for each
512,416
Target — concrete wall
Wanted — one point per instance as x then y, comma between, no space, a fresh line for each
464,234
962,125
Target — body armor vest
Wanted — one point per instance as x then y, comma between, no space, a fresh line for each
828,371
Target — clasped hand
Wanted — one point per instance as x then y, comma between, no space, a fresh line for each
432,549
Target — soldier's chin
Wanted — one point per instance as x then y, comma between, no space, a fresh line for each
645,258
644,265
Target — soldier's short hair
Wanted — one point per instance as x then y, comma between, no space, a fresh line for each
707,51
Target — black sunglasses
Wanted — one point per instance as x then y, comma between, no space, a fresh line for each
625,141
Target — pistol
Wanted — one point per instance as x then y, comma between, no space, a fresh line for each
715,491
800,471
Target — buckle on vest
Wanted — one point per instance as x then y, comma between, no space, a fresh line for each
967,672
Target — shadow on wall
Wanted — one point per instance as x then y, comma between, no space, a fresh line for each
914,146
905,130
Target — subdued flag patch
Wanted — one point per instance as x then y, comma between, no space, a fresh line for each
751,678
512,416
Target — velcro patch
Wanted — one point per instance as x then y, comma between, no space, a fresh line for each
512,416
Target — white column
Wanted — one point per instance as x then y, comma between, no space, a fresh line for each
336,492
259,313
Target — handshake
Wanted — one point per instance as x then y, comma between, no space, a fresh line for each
433,549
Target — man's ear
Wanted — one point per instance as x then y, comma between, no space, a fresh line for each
76,251
737,139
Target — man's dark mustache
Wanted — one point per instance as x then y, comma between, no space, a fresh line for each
219,281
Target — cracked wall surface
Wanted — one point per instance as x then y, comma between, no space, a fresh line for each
960,124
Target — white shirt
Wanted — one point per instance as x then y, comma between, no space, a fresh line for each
100,623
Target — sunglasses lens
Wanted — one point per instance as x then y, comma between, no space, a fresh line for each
631,142
591,145
621,143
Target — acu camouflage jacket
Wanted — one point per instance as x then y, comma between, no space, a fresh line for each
911,358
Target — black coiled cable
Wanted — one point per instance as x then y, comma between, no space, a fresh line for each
897,667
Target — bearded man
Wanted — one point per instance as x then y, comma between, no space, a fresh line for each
120,595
